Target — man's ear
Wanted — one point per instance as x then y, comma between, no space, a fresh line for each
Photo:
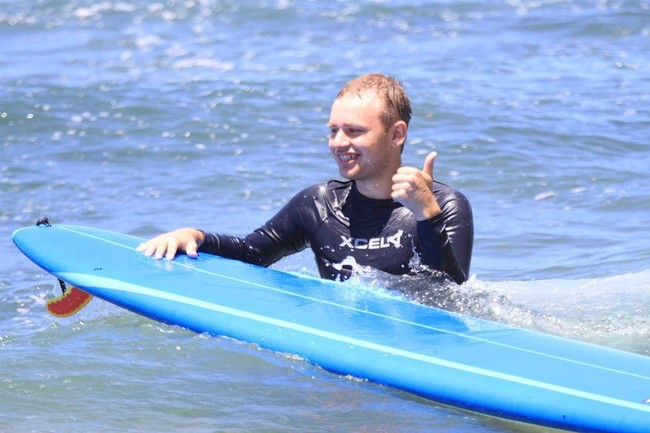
399,133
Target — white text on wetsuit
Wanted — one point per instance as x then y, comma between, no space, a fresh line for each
373,243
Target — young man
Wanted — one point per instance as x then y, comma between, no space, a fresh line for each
382,217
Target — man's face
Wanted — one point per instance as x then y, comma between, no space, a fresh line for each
362,147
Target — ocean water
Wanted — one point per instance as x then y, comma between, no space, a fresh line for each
143,116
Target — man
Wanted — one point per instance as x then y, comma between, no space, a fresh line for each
384,216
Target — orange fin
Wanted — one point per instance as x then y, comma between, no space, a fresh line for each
69,303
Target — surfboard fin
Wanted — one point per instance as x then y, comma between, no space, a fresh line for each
71,301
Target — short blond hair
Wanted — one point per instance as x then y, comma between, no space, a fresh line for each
397,103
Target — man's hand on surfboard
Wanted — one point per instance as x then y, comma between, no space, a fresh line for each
185,240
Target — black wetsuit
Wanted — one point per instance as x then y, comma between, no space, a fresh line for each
338,222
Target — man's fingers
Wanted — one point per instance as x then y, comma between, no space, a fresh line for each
159,247
148,248
169,244
170,248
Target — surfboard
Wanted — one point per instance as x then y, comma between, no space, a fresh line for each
440,355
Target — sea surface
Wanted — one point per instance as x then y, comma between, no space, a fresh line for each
144,116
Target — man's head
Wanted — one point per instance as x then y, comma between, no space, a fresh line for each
396,101
368,125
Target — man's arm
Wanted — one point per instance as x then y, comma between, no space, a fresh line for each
266,245
445,223
446,240
282,235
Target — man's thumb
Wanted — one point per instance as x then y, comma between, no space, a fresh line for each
428,163
191,250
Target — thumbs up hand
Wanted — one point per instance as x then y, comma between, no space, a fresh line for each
413,188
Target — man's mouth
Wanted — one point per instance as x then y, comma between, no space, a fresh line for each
347,157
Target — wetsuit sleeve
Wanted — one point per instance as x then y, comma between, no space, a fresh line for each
280,236
446,240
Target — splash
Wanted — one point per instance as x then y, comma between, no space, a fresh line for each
612,311
473,298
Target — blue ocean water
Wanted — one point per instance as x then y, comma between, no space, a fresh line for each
142,116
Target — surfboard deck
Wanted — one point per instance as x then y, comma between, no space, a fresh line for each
461,361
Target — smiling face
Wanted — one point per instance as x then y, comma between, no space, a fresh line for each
364,148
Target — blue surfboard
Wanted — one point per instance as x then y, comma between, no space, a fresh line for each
461,361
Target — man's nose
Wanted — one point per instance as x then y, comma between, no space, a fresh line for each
341,138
